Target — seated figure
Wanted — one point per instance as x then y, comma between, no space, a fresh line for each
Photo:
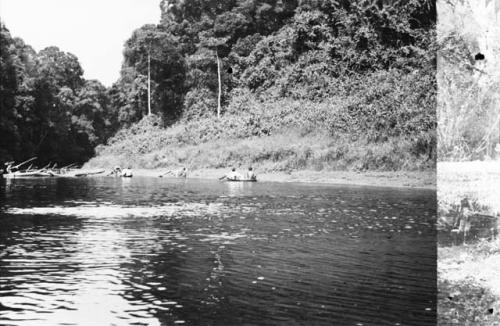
232,176
250,175
127,173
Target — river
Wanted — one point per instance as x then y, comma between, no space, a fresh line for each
151,251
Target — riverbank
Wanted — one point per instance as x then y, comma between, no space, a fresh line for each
479,181
360,135
296,155
422,179
468,282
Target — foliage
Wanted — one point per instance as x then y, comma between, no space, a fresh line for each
468,113
351,71
272,47
9,134
47,109
152,44
280,152
465,304
266,130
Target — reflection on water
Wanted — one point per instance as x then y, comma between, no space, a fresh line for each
145,251
104,210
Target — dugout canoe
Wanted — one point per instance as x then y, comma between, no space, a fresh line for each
24,175
81,173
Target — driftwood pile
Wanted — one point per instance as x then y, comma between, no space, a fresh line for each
13,170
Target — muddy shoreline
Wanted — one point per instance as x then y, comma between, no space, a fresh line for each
417,180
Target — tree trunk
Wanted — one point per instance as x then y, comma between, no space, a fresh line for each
220,85
149,85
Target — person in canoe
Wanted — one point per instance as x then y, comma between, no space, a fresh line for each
127,173
232,176
250,175
117,171
182,173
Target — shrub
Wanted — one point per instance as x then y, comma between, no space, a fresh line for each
465,304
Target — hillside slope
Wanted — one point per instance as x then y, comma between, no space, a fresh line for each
305,85
349,132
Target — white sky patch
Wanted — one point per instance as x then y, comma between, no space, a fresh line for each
93,30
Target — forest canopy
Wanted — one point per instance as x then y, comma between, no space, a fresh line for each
364,68
47,109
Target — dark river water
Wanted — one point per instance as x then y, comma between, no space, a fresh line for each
146,251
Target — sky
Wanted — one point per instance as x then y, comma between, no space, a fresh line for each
93,30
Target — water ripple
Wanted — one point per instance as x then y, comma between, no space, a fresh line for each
145,252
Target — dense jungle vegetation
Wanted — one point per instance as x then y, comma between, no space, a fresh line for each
46,108
318,84
467,73
468,131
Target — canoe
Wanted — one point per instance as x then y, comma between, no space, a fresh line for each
84,173
242,180
33,174
81,173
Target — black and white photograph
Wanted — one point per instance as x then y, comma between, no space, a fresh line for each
468,168
249,162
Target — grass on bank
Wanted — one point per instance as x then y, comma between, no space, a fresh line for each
379,121
478,181
285,151
236,140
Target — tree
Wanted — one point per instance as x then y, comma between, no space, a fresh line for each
9,135
91,120
467,109
154,46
